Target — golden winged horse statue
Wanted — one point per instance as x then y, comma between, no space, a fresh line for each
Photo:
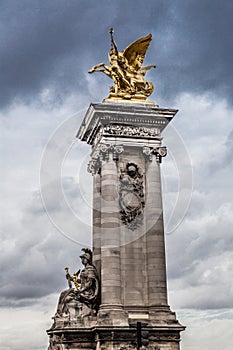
126,70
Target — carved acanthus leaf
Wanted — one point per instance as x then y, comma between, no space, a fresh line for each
101,153
159,152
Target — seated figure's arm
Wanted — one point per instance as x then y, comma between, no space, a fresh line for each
86,286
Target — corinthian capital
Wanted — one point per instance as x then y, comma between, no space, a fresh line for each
102,153
158,152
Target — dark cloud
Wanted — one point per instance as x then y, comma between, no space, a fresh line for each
52,44
197,51
44,45
227,159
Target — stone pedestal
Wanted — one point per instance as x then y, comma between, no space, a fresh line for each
128,231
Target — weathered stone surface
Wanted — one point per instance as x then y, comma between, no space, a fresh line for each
163,337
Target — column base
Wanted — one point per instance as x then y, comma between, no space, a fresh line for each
112,315
115,338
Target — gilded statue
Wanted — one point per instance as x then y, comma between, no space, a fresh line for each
126,70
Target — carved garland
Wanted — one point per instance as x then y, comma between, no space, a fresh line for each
131,196
127,131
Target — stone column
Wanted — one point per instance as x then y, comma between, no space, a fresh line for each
97,222
133,284
156,265
110,252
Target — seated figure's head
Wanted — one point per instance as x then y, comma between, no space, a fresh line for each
86,257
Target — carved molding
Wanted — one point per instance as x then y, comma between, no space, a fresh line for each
132,347
159,152
129,130
101,153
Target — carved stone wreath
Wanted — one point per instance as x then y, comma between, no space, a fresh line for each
131,196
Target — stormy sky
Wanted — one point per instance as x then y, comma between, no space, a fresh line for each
46,49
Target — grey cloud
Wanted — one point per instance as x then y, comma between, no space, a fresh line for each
35,267
44,45
198,49
199,252
204,233
52,44
199,255
227,159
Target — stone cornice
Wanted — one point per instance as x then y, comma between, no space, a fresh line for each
126,119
